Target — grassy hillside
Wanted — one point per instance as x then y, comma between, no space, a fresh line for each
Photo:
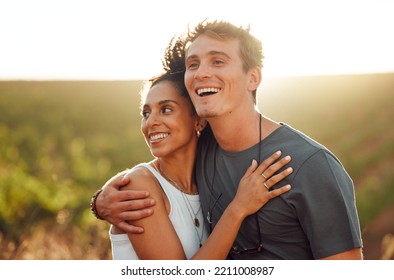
60,141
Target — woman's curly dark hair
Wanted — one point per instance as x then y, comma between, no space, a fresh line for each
174,56
174,69
174,66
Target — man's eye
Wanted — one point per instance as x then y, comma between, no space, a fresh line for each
192,66
145,114
217,62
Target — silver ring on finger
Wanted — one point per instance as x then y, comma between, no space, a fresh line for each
265,185
262,174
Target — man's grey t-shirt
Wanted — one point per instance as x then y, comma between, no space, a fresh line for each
315,219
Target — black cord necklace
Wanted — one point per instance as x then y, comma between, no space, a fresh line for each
210,210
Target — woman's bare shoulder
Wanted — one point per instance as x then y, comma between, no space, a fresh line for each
141,178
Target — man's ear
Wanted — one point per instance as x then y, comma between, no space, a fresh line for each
254,78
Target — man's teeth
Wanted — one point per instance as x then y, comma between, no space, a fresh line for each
206,91
158,136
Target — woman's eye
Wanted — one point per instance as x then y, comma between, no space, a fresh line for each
166,110
145,114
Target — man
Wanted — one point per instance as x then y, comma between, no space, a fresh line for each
317,219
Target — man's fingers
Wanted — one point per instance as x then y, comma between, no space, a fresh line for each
138,204
137,215
130,228
119,180
133,194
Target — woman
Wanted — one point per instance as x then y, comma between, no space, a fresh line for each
176,230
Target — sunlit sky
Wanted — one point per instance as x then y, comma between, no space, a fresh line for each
125,39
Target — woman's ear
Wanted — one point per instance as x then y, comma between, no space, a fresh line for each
200,125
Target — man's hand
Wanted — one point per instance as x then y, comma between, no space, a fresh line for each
120,206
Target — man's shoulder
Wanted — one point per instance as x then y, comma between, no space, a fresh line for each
292,136
301,146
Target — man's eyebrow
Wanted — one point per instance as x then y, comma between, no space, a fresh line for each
219,53
213,52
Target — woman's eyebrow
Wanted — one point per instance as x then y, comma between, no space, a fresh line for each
167,101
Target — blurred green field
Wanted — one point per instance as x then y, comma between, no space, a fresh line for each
60,141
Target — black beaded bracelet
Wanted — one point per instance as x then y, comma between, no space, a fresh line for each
93,204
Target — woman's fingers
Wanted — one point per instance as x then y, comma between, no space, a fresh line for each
277,178
266,171
268,162
277,192
269,169
251,168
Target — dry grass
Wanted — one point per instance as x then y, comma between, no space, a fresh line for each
65,244
60,243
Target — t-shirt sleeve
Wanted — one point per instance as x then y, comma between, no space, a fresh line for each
324,199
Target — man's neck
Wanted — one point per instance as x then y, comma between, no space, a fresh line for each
236,133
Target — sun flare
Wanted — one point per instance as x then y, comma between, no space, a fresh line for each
126,39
